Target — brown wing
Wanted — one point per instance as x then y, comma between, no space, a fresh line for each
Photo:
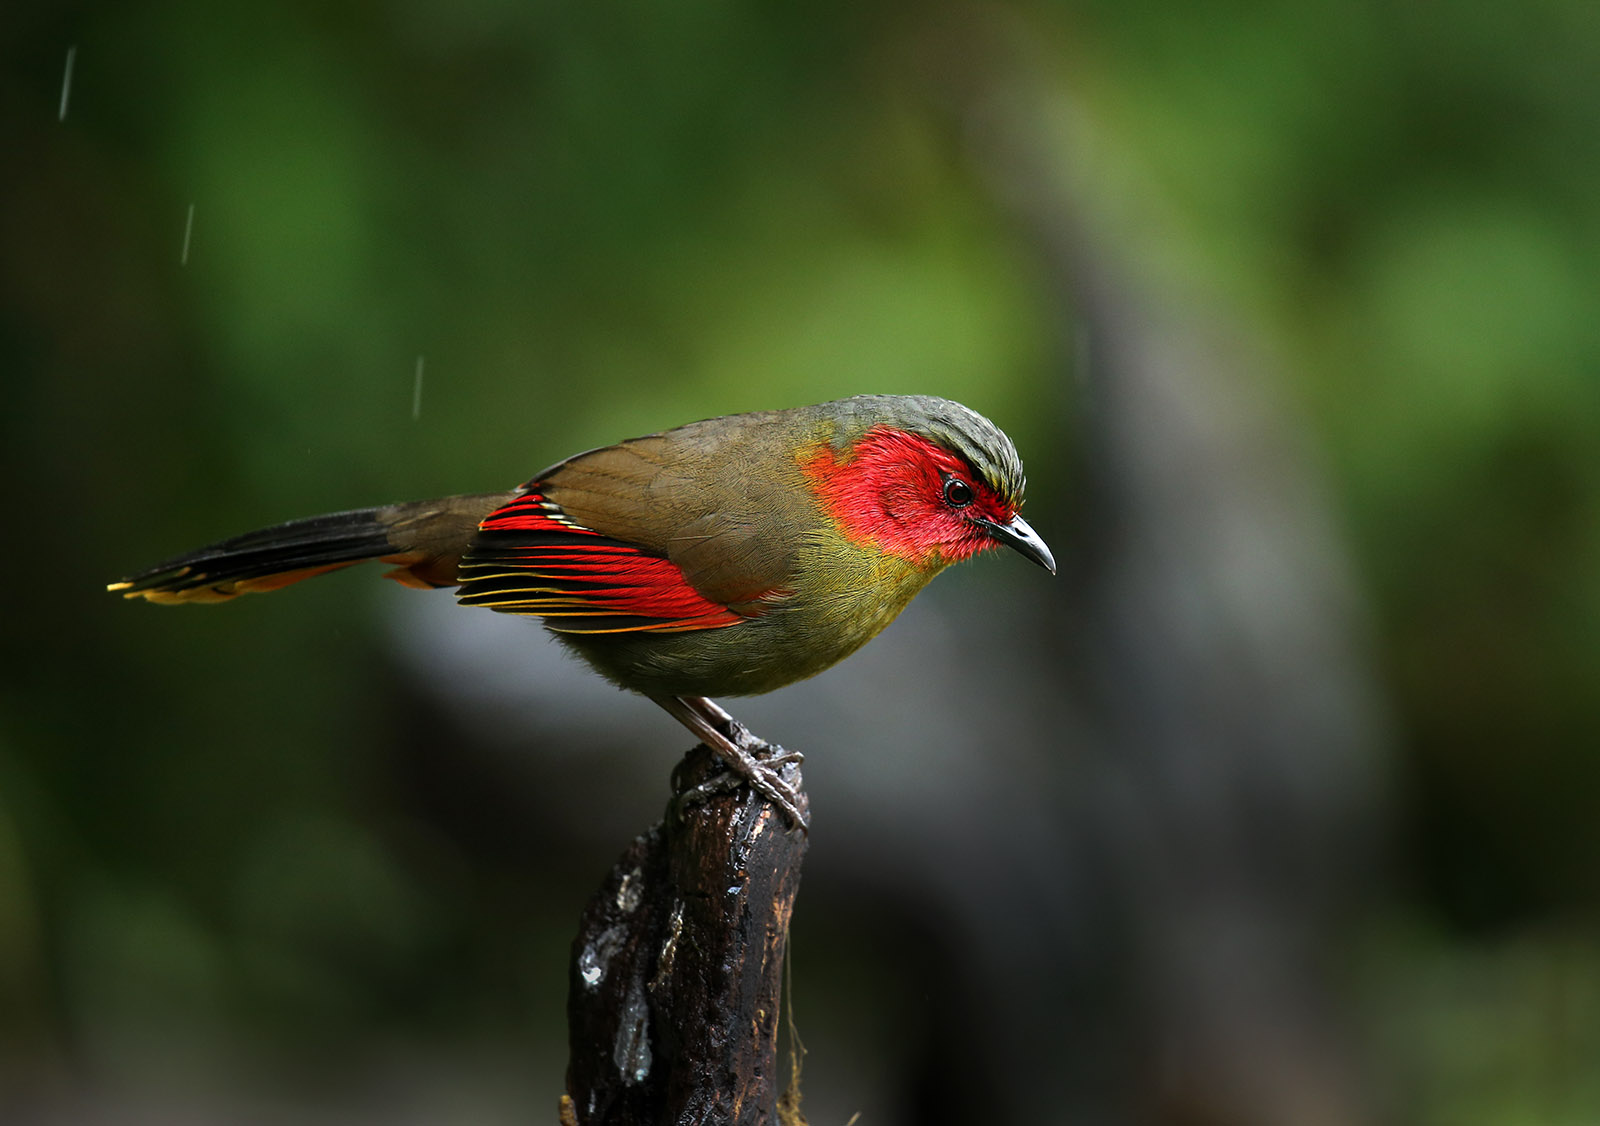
724,500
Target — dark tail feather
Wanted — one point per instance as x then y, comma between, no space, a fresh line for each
263,560
424,538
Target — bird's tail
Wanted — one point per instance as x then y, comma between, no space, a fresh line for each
424,539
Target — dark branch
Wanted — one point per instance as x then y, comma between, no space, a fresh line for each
673,1005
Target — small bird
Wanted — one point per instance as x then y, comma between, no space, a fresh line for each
727,557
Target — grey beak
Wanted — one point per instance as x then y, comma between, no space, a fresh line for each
1023,539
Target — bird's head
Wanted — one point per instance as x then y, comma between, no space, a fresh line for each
924,479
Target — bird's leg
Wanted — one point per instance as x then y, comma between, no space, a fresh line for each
718,716
749,758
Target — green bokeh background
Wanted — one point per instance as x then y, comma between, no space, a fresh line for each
590,221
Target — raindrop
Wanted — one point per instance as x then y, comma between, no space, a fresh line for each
66,81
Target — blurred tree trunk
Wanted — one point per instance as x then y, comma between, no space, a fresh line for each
1215,635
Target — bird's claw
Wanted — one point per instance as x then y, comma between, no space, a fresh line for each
770,780
762,767
746,758
775,789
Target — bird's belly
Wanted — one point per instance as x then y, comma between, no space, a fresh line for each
787,644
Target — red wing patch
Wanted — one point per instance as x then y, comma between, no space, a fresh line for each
530,557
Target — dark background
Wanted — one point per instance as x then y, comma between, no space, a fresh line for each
1278,806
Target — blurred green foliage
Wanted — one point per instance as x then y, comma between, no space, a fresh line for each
595,220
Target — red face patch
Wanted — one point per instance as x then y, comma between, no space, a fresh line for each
906,495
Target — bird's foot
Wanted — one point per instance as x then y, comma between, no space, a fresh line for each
770,753
766,767
764,772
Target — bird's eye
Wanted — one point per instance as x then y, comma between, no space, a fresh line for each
957,493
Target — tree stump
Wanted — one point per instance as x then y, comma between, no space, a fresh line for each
672,1009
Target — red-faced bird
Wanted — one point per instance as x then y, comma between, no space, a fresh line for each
727,557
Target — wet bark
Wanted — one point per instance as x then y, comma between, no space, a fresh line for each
673,1001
